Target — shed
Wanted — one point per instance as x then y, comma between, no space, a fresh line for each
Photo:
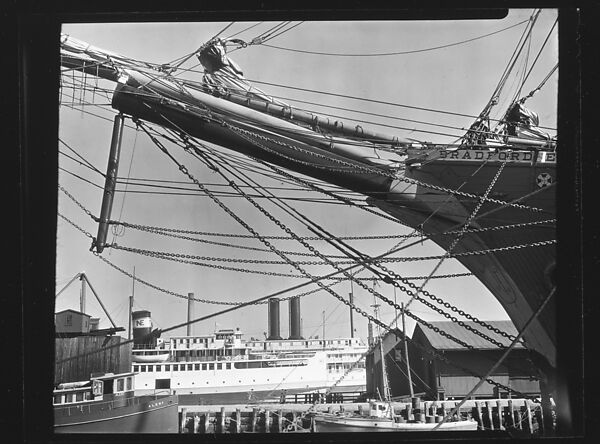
433,378
71,321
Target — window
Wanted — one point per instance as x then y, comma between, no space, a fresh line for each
162,383
150,368
120,384
228,366
211,366
69,397
79,396
196,366
69,320
142,368
189,366
158,368
175,367
88,396
168,368
136,368
219,366
57,399
203,366
128,383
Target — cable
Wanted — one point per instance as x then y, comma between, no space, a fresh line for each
280,33
395,53
243,30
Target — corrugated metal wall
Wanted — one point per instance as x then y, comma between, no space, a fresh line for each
115,359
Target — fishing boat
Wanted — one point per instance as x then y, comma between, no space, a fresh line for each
107,404
380,418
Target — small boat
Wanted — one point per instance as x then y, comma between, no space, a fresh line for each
107,404
381,419
149,356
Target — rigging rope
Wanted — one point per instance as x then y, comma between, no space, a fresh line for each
395,53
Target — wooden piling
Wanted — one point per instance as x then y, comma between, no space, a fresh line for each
182,420
280,421
222,421
528,415
488,407
500,411
206,422
539,417
510,415
238,421
479,415
267,421
254,419
516,417
197,428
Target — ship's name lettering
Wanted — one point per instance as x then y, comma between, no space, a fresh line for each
519,156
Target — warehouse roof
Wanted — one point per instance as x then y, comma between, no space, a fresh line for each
440,342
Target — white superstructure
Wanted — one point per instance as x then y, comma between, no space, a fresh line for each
222,363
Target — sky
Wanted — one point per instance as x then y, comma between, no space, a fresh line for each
458,79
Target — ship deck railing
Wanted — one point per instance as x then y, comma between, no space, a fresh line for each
86,406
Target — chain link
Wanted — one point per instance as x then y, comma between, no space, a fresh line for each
327,260
86,233
160,230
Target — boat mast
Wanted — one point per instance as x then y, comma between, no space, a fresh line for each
410,386
131,303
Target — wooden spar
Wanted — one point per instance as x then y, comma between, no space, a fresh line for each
110,183
252,119
316,121
95,61
292,154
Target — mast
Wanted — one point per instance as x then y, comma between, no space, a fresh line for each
82,295
384,380
190,313
131,303
351,318
410,386
323,328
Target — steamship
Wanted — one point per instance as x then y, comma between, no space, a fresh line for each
223,368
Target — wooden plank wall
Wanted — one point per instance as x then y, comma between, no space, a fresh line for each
115,360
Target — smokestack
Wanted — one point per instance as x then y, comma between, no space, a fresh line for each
370,340
295,327
142,327
190,313
273,319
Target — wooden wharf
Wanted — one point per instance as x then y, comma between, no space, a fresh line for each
521,416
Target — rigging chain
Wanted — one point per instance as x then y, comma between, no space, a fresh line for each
164,230
365,169
344,301
461,232
277,222
327,260
413,295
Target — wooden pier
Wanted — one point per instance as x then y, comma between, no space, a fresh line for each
519,415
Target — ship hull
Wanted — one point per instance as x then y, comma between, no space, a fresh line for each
520,277
140,414
333,424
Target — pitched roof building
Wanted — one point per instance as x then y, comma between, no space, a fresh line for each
433,378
